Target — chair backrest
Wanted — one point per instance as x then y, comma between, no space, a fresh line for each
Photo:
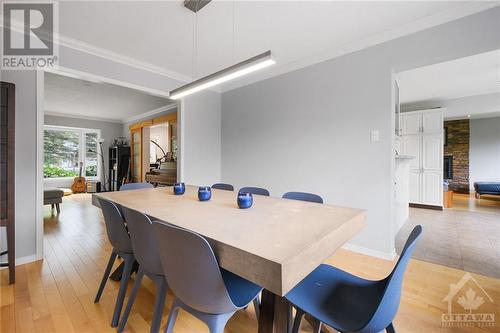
143,240
255,190
389,304
135,186
222,186
191,269
115,226
303,196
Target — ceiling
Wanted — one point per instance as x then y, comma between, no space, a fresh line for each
160,33
74,97
464,77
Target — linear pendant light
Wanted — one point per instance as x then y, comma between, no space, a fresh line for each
253,64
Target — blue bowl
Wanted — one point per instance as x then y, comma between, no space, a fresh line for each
245,200
204,193
179,188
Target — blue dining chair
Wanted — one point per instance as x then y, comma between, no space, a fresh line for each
255,190
222,186
303,196
199,285
349,303
147,255
119,238
135,186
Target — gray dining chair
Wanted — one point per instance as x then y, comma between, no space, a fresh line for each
135,186
254,190
146,253
223,186
200,286
122,246
303,196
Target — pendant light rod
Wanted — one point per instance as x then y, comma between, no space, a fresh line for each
242,68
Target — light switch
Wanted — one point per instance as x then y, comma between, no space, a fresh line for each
375,135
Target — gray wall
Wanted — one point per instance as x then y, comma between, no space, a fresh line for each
200,130
109,131
484,150
309,130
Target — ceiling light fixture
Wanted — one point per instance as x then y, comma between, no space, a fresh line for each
245,67
248,66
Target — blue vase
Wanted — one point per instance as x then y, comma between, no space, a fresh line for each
179,188
204,193
245,200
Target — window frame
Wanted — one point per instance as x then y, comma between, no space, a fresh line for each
81,149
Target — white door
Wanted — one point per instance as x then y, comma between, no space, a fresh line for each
414,186
432,122
412,147
432,152
412,123
432,188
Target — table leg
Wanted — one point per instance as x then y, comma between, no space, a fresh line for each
273,313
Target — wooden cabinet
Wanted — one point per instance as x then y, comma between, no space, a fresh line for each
423,139
7,174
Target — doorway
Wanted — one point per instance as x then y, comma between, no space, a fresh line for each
459,207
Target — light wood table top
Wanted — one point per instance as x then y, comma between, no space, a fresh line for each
275,243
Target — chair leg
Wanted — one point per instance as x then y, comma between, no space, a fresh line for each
111,261
298,321
131,300
58,208
390,329
161,294
174,312
290,318
129,260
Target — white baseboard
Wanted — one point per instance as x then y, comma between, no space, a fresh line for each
27,260
370,252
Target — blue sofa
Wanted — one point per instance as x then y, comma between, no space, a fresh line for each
486,188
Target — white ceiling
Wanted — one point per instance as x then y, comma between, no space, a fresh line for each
74,97
160,33
464,77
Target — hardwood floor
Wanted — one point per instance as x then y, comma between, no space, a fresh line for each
487,203
56,294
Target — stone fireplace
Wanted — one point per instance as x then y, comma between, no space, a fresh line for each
456,153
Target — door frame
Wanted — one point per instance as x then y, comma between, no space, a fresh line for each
40,113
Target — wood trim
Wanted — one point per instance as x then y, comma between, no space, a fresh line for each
416,205
132,154
141,124
171,117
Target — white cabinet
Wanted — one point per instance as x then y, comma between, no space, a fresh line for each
423,139
412,123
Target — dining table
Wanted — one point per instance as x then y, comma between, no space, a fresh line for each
275,243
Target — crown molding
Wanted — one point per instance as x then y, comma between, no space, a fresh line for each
77,116
120,58
150,113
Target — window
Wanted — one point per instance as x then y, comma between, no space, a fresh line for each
66,147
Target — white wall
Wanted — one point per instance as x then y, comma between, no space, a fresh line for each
309,130
109,131
484,153
200,137
26,153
